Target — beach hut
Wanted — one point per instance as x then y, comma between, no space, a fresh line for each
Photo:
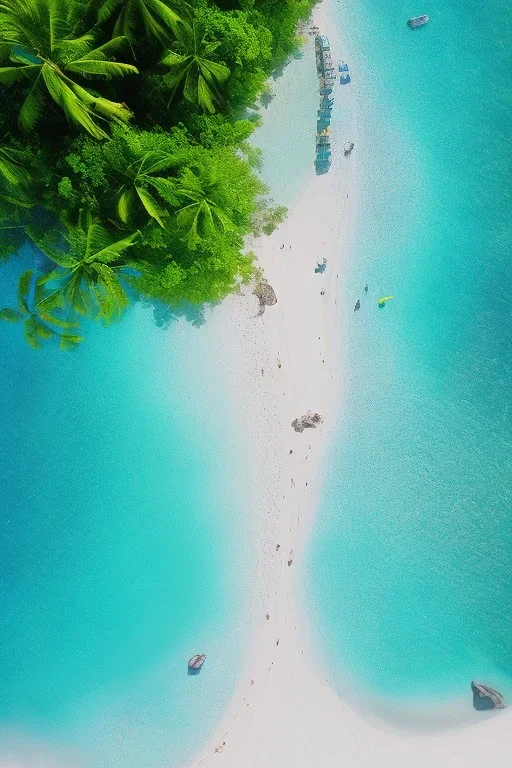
322,167
322,42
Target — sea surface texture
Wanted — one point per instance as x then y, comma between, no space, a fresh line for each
410,570
121,535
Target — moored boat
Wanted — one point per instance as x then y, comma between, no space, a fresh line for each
417,21
485,697
197,661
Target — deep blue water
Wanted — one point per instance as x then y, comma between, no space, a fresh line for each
117,554
410,569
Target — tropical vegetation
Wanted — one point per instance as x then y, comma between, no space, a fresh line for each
125,155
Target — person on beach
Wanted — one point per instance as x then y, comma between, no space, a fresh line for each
282,247
366,288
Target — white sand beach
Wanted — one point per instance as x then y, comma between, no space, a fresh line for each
284,711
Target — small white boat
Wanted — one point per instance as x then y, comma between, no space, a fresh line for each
417,21
197,661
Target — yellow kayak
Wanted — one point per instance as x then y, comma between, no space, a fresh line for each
383,300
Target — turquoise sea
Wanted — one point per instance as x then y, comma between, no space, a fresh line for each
122,489
409,577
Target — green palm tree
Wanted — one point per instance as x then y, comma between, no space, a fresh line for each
86,280
14,177
39,323
200,215
137,177
45,51
149,19
193,68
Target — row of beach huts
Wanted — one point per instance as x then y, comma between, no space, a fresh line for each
326,80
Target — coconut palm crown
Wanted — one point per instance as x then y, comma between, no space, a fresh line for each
193,68
148,19
137,178
200,214
47,50
86,280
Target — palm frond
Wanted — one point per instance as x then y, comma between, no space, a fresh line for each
10,75
31,334
23,290
107,8
69,102
110,294
171,20
110,110
104,52
150,204
204,95
188,219
71,49
165,188
224,222
214,70
125,204
126,22
32,107
156,161
11,315
100,247
101,68
69,341
174,60
12,169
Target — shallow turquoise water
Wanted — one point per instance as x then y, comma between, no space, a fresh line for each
287,132
410,569
119,534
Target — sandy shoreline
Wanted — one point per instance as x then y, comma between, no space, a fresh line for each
284,711
291,365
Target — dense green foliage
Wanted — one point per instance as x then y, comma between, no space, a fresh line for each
124,152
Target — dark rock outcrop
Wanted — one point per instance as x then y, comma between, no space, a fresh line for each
308,421
266,295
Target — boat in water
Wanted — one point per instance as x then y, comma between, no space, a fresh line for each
417,21
485,697
197,661
383,300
